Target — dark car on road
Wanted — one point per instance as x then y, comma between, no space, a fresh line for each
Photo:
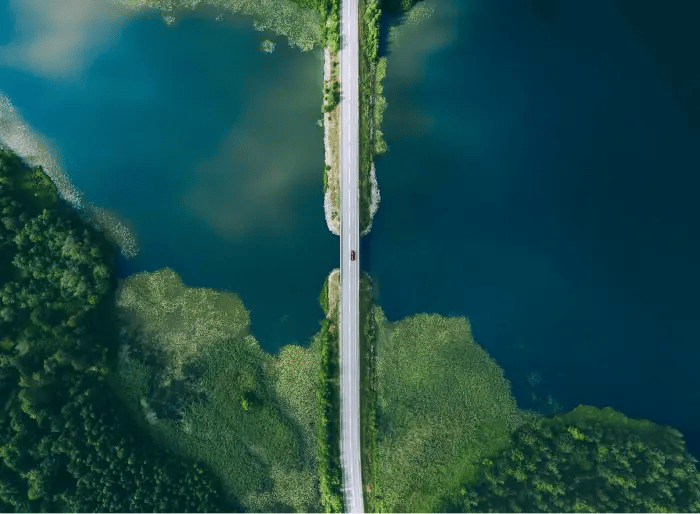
352,255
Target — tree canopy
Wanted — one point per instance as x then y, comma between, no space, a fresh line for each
588,460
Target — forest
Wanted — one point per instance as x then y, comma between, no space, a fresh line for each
65,442
587,460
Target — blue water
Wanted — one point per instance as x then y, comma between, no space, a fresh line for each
542,181
210,149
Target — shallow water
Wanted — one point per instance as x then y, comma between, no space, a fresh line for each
541,181
210,148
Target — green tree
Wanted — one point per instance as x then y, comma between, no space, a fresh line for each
588,460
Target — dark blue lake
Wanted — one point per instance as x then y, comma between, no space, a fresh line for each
542,180
210,148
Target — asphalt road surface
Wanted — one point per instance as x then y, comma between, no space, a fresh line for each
349,270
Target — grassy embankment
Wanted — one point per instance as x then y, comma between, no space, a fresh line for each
328,407
370,14
371,478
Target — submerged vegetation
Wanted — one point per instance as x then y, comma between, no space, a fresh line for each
298,21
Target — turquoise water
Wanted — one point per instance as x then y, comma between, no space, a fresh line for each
542,181
210,149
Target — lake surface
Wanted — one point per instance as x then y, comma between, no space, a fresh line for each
210,148
542,181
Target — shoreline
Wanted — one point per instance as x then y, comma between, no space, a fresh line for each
331,196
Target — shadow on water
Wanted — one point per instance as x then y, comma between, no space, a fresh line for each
386,22
545,10
671,36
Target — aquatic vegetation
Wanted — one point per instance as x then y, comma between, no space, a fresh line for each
17,136
115,229
443,404
211,393
534,378
298,23
267,46
180,322
414,17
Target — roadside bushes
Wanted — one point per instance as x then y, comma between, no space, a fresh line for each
328,437
326,169
371,37
323,298
371,478
331,96
380,146
330,24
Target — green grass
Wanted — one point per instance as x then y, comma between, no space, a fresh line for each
201,384
443,403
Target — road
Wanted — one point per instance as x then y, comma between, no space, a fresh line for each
350,270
